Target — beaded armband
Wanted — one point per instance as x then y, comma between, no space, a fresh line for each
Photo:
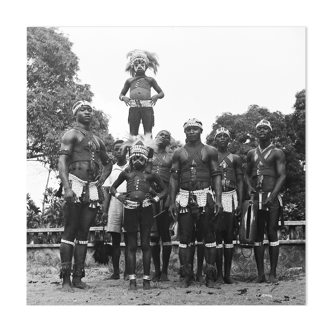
215,173
173,170
65,152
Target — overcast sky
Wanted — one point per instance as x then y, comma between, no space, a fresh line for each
203,71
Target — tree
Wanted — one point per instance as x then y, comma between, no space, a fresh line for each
52,88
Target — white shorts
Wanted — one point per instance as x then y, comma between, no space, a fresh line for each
115,216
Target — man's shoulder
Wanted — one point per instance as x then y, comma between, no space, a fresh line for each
210,149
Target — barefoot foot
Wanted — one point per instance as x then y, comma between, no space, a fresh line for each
146,284
163,277
115,276
272,279
220,280
199,278
259,279
67,288
78,283
125,276
132,285
229,280
156,276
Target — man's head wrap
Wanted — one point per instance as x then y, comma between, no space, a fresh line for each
264,122
79,104
193,123
165,131
222,130
150,59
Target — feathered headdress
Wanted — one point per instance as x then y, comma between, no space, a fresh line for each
150,59
140,145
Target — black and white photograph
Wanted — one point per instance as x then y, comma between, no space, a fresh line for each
166,166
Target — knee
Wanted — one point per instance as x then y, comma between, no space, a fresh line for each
69,233
132,247
116,239
166,237
219,237
272,233
145,246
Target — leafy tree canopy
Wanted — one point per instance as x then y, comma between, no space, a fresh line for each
52,88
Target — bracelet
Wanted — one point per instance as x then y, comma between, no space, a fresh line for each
117,195
121,98
157,199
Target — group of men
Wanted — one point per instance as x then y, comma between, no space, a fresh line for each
198,186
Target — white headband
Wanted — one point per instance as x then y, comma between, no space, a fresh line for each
79,104
222,130
193,123
264,122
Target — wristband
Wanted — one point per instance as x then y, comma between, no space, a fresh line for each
121,98
117,195
157,199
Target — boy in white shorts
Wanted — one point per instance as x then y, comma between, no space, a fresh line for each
113,211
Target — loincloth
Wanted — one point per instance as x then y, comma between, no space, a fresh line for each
86,191
199,199
229,202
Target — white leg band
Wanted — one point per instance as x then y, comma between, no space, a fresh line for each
182,245
258,244
132,276
68,242
83,242
199,243
167,243
210,245
153,244
274,244
219,246
229,245
146,278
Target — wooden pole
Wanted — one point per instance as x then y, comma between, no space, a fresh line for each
48,178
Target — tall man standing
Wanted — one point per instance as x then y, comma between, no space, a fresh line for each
232,196
80,161
161,164
265,176
193,166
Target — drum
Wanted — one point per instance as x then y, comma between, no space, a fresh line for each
248,224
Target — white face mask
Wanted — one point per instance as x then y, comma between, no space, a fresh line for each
139,66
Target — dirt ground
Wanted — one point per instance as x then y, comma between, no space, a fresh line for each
44,288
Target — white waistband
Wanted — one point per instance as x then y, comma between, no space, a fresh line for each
140,103
131,205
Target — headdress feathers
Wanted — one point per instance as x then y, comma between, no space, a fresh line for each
150,59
